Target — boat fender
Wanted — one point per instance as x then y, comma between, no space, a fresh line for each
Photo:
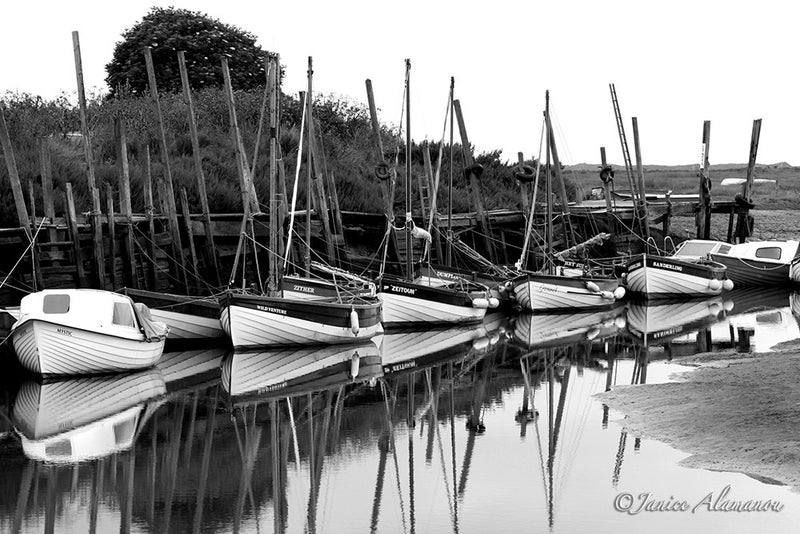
608,295
620,322
525,174
480,343
593,333
727,305
502,288
480,303
714,285
727,284
354,326
494,302
494,338
714,308
619,292
355,362
591,286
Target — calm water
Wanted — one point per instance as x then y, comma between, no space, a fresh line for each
486,429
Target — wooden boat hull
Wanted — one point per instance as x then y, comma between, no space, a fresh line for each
51,349
753,272
263,322
659,277
537,292
188,318
407,304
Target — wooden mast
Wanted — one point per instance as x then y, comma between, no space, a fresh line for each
548,183
449,240
273,282
409,251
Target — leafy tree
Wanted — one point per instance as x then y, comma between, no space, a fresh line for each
205,42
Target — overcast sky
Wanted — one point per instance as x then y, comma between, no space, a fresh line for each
674,64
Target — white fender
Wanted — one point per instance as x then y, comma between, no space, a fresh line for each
480,343
727,284
620,322
591,286
727,305
619,292
593,333
714,285
480,303
354,326
494,302
355,362
608,295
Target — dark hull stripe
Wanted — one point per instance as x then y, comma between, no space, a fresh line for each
327,313
754,272
433,294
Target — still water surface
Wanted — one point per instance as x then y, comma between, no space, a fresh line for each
485,429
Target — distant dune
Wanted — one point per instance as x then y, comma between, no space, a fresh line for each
586,167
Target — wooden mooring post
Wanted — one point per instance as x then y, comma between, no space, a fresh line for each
704,212
76,240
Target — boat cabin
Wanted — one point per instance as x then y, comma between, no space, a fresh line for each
87,309
768,251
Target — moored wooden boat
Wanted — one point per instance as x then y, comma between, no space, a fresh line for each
541,292
85,331
754,263
414,349
667,276
534,331
413,303
661,321
188,317
254,321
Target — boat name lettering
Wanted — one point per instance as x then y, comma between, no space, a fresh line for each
273,387
399,367
406,290
668,332
667,266
303,289
546,289
64,332
269,309
633,266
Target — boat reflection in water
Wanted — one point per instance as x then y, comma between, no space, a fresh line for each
76,419
661,321
259,376
539,331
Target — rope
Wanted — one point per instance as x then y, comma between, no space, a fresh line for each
24,253
294,188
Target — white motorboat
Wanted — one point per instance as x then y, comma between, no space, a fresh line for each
85,331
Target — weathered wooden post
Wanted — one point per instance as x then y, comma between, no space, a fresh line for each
249,197
212,258
13,173
473,174
112,238
123,169
187,222
151,224
97,229
743,222
704,213
76,241
47,193
523,187
172,210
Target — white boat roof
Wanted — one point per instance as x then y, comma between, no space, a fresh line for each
748,250
89,309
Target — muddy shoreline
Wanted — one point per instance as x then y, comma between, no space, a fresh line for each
733,412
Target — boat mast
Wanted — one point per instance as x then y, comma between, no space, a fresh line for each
409,251
450,182
549,184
